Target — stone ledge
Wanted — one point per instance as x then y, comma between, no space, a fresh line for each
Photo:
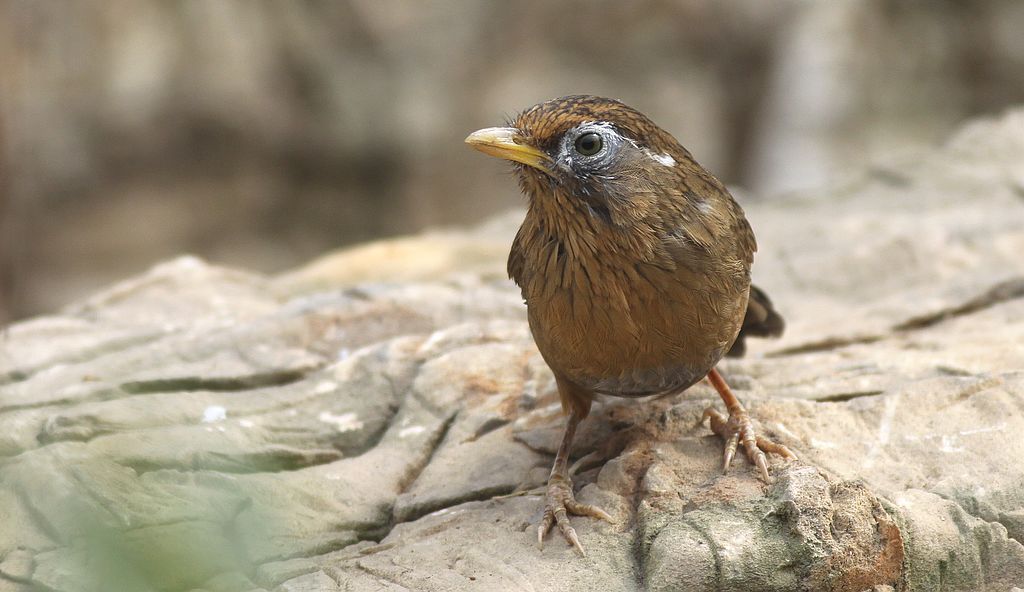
198,428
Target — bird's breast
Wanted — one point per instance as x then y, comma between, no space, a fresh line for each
619,326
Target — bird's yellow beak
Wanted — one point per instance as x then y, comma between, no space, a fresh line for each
508,143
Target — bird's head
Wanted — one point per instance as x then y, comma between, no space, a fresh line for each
599,152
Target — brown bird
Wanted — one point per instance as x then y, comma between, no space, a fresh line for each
634,262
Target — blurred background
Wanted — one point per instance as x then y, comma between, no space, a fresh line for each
263,133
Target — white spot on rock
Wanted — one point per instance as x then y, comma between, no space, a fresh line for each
446,511
346,422
823,444
245,423
736,544
325,387
411,431
433,340
995,428
950,444
884,430
781,427
214,413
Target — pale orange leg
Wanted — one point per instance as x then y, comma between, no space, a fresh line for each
560,500
737,428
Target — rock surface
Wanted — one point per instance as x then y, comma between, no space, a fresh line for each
199,428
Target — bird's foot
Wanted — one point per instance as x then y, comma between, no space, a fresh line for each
736,429
560,503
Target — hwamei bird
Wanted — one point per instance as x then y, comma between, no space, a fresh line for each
634,262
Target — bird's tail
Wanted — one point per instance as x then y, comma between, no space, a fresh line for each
761,320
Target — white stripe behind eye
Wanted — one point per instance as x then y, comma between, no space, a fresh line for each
663,159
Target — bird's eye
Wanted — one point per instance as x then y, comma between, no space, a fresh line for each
588,144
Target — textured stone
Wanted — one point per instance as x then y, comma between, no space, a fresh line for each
198,428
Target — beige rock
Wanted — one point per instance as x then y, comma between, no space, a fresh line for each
202,428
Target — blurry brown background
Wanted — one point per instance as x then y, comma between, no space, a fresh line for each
260,133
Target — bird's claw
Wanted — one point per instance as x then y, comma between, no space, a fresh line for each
737,428
561,503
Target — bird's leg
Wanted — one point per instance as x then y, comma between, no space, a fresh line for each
560,500
737,428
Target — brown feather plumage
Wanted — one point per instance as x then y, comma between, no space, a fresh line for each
636,296
634,262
